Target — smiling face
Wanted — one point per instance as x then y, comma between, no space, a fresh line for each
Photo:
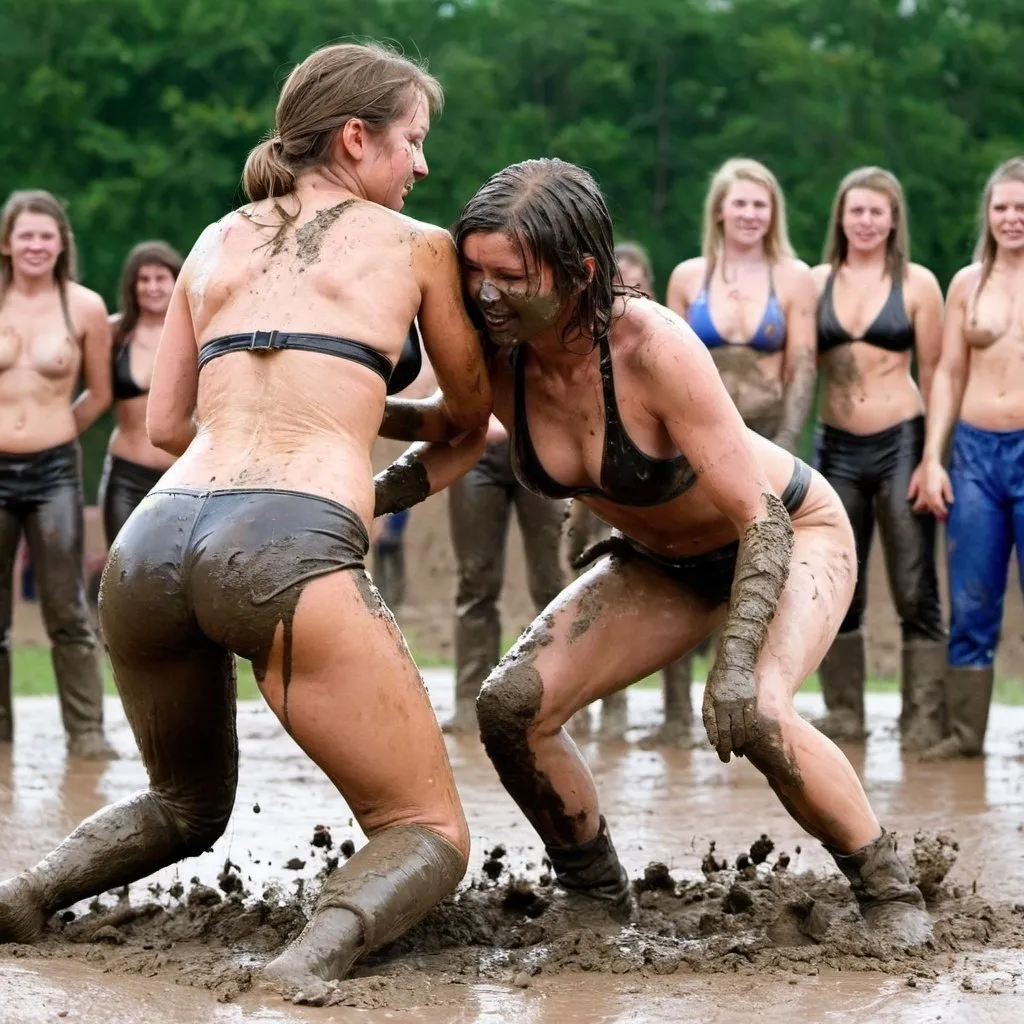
634,275
395,159
515,295
867,219
1006,214
746,213
153,286
34,245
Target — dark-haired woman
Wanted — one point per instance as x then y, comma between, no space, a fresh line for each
875,312
52,331
134,464
279,344
613,400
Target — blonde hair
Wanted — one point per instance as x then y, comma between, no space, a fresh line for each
776,243
66,268
329,88
985,249
897,245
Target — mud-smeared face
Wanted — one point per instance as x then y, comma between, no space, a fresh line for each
1006,214
34,245
867,219
397,161
153,287
515,295
746,213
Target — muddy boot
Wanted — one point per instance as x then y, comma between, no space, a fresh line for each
968,699
395,880
677,729
614,716
923,715
578,727
842,674
464,721
92,746
892,906
596,884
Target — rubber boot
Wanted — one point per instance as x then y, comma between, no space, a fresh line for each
6,710
843,673
614,716
395,880
892,906
592,872
923,714
968,699
677,729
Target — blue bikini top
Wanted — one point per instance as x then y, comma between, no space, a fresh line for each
770,335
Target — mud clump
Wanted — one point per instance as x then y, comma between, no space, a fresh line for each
322,837
931,859
656,878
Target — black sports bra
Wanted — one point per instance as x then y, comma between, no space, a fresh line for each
124,383
397,378
628,476
891,329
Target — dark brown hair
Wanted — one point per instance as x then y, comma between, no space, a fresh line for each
329,88
635,253
66,268
556,212
145,254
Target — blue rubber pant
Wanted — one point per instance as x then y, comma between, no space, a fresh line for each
986,521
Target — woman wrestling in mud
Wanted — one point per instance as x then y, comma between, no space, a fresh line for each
978,395
752,302
279,344
134,464
875,312
611,399
52,332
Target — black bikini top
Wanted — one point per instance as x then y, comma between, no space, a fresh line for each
891,329
628,476
397,378
124,383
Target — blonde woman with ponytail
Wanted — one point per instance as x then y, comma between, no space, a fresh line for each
279,346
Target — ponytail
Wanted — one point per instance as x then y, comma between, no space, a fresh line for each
266,175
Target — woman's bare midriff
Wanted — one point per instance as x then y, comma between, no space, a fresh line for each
129,439
994,395
868,389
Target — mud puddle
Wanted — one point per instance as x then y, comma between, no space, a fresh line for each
707,945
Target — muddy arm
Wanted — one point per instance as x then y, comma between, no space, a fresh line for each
800,370
96,345
686,392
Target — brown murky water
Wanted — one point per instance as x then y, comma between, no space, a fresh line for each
662,805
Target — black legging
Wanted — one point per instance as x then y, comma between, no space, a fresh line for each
871,474
41,493
123,486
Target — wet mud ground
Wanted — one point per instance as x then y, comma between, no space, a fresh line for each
706,945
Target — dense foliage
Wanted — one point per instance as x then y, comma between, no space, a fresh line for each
140,112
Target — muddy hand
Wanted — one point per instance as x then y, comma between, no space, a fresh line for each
730,706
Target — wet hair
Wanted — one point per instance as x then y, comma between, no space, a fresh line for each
328,89
556,213
897,245
66,268
635,254
146,254
985,249
776,242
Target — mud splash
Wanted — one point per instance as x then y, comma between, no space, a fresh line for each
744,913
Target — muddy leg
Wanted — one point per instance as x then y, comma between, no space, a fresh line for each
615,624
478,515
358,708
908,541
812,777
10,531
178,692
54,532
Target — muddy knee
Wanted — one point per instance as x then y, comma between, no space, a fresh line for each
200,819
507,707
